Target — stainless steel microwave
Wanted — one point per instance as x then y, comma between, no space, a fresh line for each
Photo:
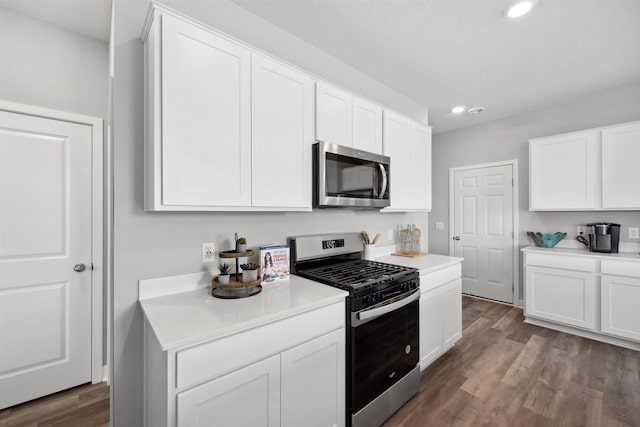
345,177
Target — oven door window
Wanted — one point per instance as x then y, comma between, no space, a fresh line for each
351,177
383,351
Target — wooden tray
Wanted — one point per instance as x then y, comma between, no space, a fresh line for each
235,293
234,285
416,255
234,254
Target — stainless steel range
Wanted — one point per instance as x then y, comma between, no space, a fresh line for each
382,322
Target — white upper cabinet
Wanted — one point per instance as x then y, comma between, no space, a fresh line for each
420,167
227,128
333,115
397,145
621,167
595,169
281,133
344,119
564,172
367,126
408,144
206,128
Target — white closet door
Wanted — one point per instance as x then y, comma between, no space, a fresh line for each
45,231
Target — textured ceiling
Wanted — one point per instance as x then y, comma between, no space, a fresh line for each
446,52
441,52
89,17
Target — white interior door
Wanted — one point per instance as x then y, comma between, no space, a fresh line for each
45,231
483,230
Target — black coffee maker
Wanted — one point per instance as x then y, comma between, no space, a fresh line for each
603,237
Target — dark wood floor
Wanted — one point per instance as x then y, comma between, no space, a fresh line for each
504,372
82,406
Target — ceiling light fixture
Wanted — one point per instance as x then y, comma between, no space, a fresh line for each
458,109
475,111
519,8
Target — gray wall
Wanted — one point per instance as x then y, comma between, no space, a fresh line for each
47,66
508,139
148,244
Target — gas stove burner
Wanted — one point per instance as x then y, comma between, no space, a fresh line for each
355,274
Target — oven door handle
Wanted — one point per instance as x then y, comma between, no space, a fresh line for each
367,315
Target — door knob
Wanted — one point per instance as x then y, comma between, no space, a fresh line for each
456,237
79,267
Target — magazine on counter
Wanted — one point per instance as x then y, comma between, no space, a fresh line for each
274,263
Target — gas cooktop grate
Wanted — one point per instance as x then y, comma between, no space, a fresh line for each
354,274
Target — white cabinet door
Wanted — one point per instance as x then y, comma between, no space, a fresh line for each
206,141
430,326
313,382
367,126
621,167
563,296
333,115
451,313
282,135
620,302
420,167
397,145
247,397
564,172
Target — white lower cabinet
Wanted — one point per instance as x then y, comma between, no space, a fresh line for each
560,295
621,299
440,313
451,313
245,398
290,372
591,296
312,388
430,327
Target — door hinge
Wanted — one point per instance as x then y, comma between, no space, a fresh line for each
92,267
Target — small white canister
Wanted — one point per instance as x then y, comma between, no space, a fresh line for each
370,252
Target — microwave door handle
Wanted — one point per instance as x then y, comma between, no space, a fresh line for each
383,171
365,316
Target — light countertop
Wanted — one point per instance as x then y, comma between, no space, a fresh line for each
425,264
183,318
622,256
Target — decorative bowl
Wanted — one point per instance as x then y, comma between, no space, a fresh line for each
546,240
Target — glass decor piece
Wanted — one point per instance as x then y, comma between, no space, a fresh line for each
546,240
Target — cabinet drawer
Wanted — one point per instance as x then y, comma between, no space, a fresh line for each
562,261
621,268
217,357
440,277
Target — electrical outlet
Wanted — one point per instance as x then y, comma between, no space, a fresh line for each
208,252
634,233
581,229
390,234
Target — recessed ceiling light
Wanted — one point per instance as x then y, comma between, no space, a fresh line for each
519,8
458,109
475,110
